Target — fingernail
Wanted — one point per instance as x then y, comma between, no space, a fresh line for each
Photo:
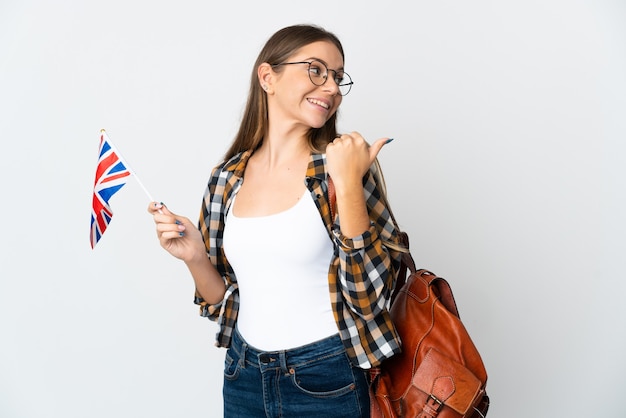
182,234
388,141
178,222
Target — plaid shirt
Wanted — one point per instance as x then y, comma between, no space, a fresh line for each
360,277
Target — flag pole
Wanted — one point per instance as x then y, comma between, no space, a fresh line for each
128,167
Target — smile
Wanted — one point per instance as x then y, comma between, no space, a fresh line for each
319,103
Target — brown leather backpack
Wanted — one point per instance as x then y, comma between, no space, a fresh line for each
439,372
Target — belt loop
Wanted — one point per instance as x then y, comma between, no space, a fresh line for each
282,355
244,353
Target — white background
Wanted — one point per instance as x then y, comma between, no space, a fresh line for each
507,170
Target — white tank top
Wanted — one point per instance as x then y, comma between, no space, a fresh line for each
281,263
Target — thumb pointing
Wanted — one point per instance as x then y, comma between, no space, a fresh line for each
377,146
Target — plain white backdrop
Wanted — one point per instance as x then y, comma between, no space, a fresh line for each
507,171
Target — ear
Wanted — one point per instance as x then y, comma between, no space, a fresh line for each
266,77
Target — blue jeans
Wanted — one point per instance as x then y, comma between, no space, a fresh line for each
315,380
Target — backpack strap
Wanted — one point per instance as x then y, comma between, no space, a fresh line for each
332,199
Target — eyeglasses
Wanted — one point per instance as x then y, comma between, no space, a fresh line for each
318,74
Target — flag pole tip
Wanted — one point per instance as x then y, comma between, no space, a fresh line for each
101,130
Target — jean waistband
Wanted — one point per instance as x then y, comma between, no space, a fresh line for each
286,358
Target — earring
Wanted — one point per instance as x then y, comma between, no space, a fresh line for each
264,86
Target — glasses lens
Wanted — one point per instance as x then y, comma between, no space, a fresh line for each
317,72
344,82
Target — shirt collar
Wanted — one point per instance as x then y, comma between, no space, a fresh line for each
316,167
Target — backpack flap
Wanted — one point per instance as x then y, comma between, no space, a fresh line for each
447,383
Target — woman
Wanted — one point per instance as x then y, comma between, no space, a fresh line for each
301,299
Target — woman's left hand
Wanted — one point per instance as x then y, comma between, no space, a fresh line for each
349,157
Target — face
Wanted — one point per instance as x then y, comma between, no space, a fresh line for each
294,96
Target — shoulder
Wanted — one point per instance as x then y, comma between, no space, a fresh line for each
234,166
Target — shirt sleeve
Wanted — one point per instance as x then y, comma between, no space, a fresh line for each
208,310
366,265
211,224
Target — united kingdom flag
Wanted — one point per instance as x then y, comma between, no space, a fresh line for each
111,175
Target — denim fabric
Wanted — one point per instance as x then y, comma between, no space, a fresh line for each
315,380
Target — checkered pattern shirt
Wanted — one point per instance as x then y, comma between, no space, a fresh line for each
361,275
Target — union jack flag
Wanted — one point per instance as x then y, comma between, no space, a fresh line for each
111,176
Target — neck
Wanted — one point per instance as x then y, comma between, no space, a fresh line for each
284,148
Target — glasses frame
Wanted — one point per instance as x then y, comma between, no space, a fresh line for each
325,76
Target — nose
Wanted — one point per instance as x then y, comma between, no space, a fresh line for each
331,85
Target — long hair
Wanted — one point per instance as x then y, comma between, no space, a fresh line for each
278,48
254,123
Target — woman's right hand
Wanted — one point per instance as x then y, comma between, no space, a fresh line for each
177,234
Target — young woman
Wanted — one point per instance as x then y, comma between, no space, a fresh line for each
301,299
